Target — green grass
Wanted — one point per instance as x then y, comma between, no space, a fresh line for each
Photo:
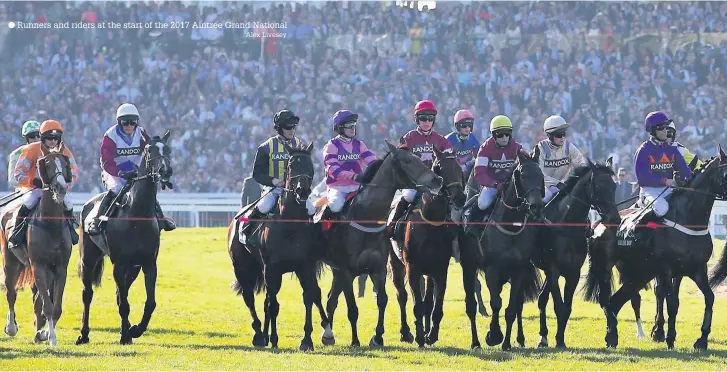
200,324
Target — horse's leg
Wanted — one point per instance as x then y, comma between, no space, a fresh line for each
307,279
398,272
571,283
611,310
150,282
332,304
542,306
702,282
481,303
56,293
469,277
266,325
440,282
514,306
91,268
657,332
672,307
382,299
11,269
41,334
415,278
44,280
428,303
494,286
347,287
520,331
273,279
122,300
636,305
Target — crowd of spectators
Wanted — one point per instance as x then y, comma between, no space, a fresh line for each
217,89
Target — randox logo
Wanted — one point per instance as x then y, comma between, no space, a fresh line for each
280,156
423,148
128,151
463,153
556,163
348,157
502,164
661,166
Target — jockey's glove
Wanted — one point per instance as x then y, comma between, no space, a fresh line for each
278,183
37,183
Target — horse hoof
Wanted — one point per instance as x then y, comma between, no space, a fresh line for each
304,346
82,340
701,344
543,344
126,340
355,343
376,341
476,346
658,335
494,338
11,330
135,331
429,340
506,346
259,340
41,336
328,341
670,345
521,342
561,345
407,337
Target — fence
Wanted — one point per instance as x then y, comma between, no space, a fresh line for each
217,209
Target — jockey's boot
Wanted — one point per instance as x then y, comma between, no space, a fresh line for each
247,226
72,225
104,210
398,228
17,238
476,216
165,223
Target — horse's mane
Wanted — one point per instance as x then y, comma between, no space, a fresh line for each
368,174
579,172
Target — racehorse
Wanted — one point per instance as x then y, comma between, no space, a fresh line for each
427,250
131,240
353,248
282,248
504,255
48,250
677,251
563,246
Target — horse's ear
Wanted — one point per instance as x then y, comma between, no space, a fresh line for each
535,154
523,156
309,148
609,162
722,155
693,163
166,135
144,134
437,153
391,147
62,148
288,148
44,149
589,162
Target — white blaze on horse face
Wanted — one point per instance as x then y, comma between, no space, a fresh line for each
161,147
59,176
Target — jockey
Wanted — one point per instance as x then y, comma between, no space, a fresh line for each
495,159
25,177
31,133
558,157
121,152
671,138
345,157
464,142
658,165
271,163
420,142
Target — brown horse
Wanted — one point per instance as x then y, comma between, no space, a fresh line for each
48,249
427,250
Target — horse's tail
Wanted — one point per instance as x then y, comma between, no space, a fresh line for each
243,263
597,272
25,277
532,283
320,268
97,270
719,274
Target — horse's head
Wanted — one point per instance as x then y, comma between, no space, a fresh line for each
721,179
602,191
156,159
299,176
410,172
447,167
529,181
54,169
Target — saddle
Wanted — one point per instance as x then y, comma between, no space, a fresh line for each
12,211
635,228
321,205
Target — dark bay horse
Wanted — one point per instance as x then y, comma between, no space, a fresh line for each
131,240
284,247
563,247
680,249
48,250
354,248
503,254
426,250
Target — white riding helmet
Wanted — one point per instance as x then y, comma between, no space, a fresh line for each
554,123
127,109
